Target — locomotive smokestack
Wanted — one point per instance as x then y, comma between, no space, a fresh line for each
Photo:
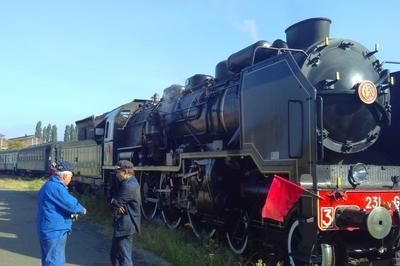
307,32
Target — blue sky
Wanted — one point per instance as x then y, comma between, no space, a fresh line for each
61,61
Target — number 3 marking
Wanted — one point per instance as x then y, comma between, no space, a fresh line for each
327,217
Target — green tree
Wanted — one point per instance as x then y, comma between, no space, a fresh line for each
38,130
54,133
44,134
16,144
48,133
71,132
75,133
66,133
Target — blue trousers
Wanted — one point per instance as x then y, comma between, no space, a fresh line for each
53,251
121,251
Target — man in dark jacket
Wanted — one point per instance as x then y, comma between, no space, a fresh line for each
126,210
55,207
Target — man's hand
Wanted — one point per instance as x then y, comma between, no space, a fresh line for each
84,211
74,217
118,207
121,210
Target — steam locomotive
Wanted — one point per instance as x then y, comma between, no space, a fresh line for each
314,110
320,112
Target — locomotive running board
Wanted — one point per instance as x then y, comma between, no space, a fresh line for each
190,155
210,155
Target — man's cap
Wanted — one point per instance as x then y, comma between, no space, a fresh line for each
65,166
124,164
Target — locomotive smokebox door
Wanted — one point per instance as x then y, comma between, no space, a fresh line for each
278,116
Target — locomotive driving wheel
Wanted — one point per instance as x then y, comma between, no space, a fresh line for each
169,201
200,227
322,254
237,231
148,188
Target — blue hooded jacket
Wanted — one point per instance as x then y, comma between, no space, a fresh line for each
55,206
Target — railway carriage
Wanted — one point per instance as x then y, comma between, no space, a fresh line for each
34,160
8,161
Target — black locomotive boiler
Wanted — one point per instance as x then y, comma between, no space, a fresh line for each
312,109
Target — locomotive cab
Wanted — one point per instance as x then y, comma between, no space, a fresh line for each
113,127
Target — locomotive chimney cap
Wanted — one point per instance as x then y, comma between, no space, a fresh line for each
307,32
308,21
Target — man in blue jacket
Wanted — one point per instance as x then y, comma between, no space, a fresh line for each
55,207
126,210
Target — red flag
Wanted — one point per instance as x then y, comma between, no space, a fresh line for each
281,197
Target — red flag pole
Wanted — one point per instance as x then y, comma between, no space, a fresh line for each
300,187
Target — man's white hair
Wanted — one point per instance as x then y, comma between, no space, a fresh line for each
63,174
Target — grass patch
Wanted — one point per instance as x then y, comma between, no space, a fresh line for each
178,247
98,211
181,248
22,184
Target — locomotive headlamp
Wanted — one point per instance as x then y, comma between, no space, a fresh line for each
392,81
367,91
358,174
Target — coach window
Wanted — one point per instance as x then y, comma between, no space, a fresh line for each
122,118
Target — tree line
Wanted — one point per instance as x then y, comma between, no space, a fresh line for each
49,133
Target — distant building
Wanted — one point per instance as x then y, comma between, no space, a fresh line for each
3,142
28,140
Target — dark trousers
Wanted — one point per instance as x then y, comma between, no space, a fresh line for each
121,251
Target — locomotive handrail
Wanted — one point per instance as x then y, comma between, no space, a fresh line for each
276,49
390,62
320,108
336,92
325,92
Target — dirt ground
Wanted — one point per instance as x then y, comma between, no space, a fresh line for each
19,244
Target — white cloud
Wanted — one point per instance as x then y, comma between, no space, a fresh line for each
249,27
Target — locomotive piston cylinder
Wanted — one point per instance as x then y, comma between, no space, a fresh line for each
378,222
